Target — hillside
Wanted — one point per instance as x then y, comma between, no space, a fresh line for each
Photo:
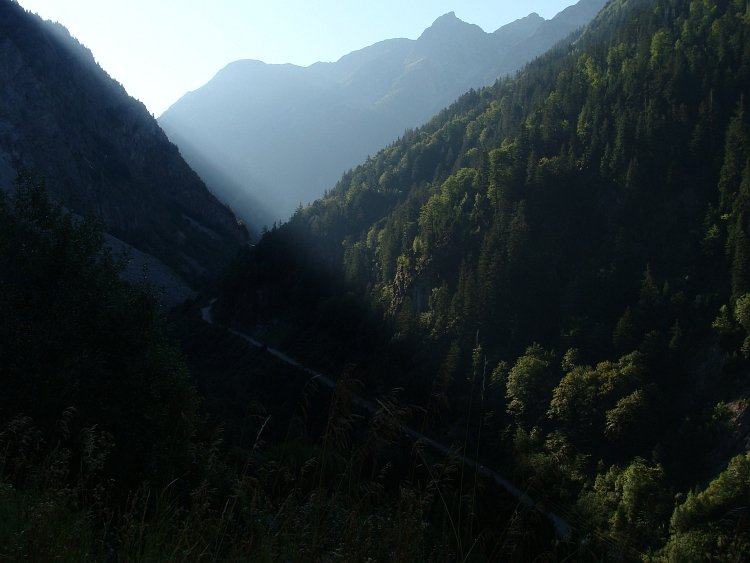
266,138
64,117
562,258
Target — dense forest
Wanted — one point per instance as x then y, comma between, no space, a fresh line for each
133,435
565,256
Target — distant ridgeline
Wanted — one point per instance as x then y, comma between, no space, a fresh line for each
100,150
573,242
266,138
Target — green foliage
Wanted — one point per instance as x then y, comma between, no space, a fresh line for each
590,402
711,524
45,515
729,491
75,335
529,384
293,502
596,202
627,506
298,501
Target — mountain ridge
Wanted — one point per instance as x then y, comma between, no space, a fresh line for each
281,134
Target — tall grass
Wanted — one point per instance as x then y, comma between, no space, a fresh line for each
361,493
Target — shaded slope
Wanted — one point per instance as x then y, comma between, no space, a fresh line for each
101,150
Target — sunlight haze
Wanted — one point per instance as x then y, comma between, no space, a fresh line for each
161,50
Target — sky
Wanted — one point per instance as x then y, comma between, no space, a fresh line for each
161,49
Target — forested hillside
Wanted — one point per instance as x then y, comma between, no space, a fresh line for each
564,256
108,453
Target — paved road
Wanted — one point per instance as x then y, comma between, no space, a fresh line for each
562,528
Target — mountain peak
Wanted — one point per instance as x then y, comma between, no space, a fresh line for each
450,17
450,24
519,29
580,13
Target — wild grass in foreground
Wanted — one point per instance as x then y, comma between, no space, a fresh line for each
335,500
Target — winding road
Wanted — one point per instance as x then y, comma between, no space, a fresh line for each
562,528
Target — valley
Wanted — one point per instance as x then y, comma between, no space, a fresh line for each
513,325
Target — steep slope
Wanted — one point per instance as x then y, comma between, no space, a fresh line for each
266,138
544,36
101,150
564,258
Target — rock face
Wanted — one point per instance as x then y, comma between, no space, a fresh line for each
266,138
100,150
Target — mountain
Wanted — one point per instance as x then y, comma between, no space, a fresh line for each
266,138
559,264
100,150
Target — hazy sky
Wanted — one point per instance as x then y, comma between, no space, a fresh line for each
161,49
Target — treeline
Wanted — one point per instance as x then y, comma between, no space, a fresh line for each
571,246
